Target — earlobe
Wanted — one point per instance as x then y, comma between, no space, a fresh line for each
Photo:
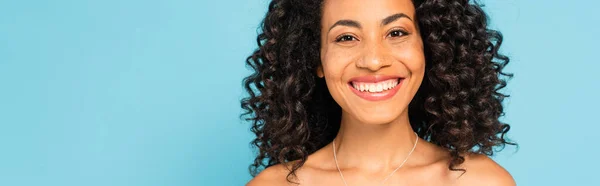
320,73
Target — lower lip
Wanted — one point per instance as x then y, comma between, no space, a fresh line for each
377,96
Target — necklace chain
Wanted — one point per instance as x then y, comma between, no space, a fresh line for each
386,178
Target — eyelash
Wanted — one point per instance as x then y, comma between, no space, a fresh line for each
339,39
404,33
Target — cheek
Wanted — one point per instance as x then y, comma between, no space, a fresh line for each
412,57
334,64
416,62
333,78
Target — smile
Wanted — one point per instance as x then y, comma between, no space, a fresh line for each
375,88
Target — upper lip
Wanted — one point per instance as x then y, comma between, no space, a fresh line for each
374,78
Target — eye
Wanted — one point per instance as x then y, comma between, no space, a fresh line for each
397,33
344,38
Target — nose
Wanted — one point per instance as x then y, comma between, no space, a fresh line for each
374,57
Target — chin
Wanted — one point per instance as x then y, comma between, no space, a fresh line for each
377,118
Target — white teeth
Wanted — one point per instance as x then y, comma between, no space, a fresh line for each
375,87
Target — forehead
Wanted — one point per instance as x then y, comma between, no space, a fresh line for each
364,10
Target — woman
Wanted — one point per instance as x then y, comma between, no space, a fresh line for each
378,92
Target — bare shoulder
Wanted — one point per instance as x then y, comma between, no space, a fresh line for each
273,176
278,174
482,170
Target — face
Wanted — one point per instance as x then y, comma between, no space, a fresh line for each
371,57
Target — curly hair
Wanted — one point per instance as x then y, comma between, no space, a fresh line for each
457,106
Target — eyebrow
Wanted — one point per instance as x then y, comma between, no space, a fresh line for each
356,24
393,18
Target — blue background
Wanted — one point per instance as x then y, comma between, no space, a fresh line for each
147,92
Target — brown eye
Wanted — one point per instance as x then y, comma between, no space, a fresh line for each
345,38
397,33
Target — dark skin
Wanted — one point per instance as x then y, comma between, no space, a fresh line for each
378,37
428,166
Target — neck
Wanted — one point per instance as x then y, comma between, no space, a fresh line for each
375,147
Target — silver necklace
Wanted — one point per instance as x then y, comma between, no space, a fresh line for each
386,178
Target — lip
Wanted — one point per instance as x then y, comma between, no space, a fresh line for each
376,96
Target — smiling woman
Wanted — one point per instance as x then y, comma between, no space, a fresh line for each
381,92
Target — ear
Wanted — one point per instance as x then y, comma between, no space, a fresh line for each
320,73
